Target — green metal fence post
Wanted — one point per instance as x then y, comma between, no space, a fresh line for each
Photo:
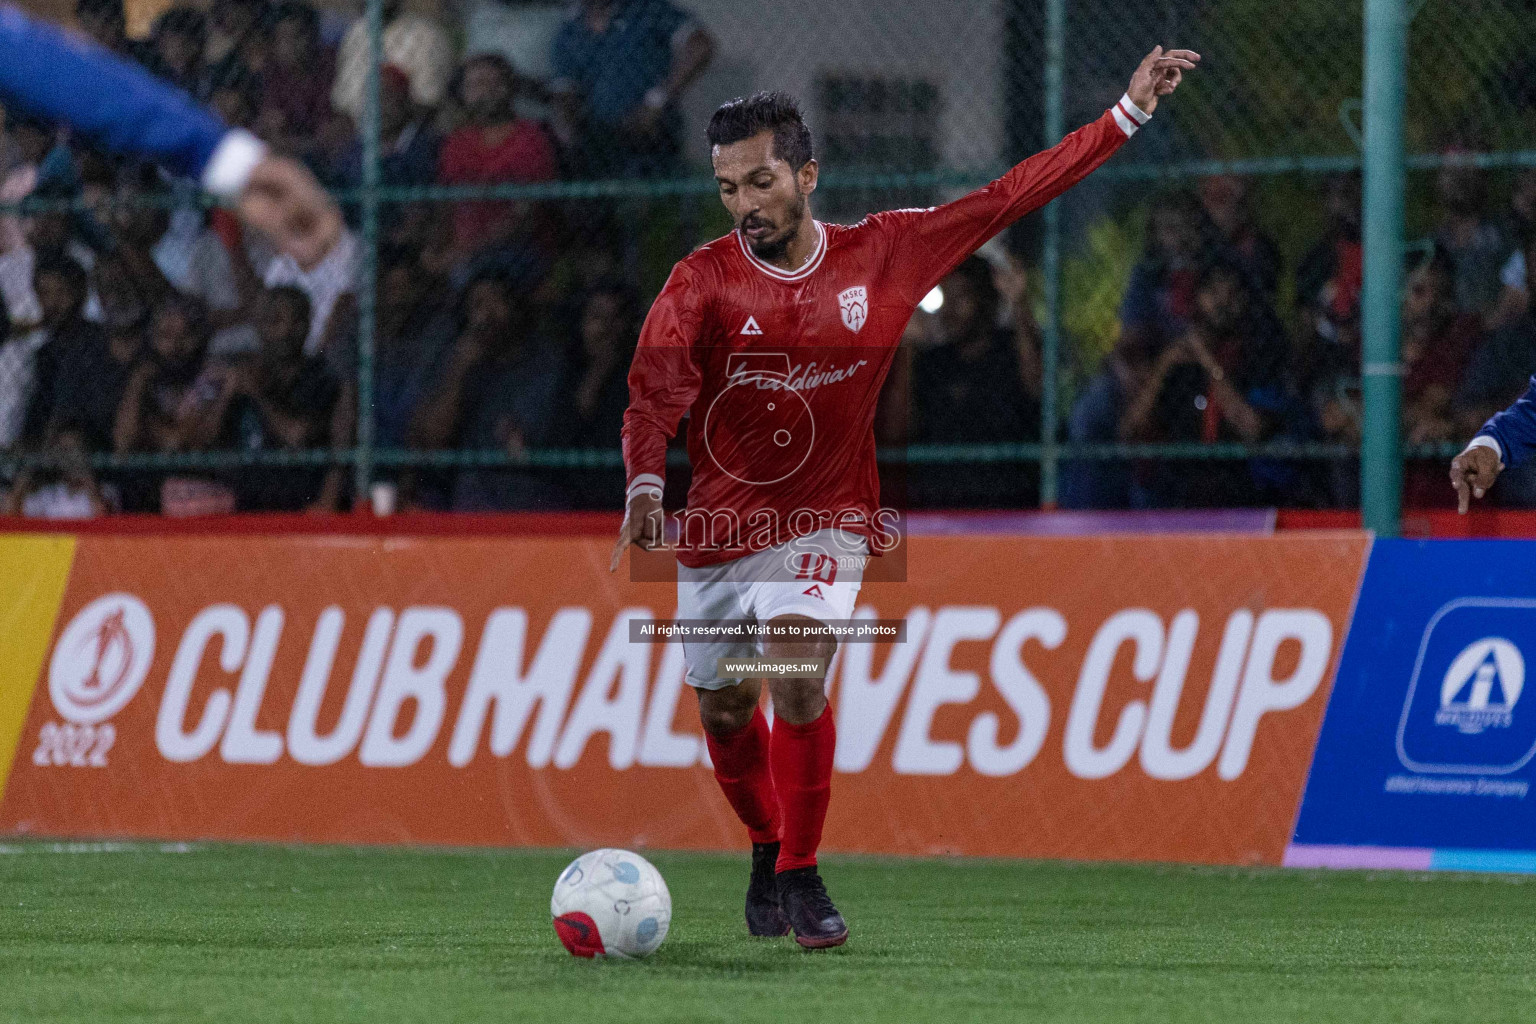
367,292
1386,61
1050,258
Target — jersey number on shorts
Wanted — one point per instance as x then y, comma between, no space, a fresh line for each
816,566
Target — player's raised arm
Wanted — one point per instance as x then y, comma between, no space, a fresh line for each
120,106
1504,441
933,242
664,379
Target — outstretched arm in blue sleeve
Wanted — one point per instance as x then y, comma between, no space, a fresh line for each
1514,429
124,108
1504,441
117,104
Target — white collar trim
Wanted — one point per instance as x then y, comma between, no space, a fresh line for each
783,275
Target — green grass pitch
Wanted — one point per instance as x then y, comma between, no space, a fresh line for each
273,934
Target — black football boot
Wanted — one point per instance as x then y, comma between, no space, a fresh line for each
811,913
765,914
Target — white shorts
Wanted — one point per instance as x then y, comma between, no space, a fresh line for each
817,576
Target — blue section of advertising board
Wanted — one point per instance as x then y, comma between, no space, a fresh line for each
1430,733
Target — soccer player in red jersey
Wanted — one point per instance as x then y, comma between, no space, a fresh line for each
775,341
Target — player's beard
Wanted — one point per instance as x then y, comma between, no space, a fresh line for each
770,249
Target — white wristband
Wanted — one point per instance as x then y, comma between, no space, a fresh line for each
1129,116
1484,441
233,160
648,483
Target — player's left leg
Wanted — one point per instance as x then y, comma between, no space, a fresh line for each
801,754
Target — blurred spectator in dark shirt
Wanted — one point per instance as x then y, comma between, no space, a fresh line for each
106,23
1438,341
62,285
1228,203
1502,364
408,156
296,102
180,36
1519,229
161,391
281,400
191,258
1469,237
499,390
1326,364
68,490
1331,274
232,24
495,147
1160,296
157,413
237,97
408,145
1501,369
979,385
621,66
18,364
94,374
413,42
1095,419
1221,380
596,389
416,329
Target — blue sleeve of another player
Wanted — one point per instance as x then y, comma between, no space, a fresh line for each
51,74
1515,428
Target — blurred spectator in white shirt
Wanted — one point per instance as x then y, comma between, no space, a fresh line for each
330,284
414,43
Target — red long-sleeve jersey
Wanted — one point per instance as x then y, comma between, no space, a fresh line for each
780,372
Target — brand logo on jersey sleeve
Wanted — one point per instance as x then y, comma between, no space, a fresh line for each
854,304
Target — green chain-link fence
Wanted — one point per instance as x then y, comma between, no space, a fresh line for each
914,101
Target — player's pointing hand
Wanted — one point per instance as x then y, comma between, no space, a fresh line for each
284,201
1472,473
1160,73
643,525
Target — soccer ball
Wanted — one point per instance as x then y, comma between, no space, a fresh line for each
611,903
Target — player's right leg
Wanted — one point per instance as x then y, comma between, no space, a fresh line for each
737,735
738,738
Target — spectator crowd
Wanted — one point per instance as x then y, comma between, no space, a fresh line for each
136,321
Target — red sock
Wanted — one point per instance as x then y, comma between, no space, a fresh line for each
741,768
802,775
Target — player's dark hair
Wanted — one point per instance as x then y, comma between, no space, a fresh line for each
776,112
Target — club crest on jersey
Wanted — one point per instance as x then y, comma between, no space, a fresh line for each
854,304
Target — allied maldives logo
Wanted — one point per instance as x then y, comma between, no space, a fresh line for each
1462,714
1482,686
101,659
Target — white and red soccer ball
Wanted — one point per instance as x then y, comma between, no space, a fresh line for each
611,903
